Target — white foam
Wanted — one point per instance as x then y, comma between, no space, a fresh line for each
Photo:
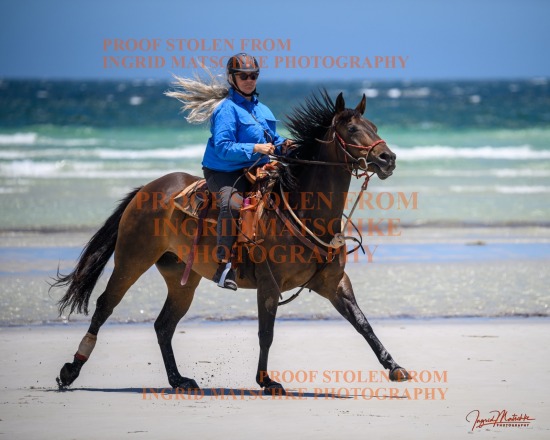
370,92
136,100
507,173
13,190
469,189
75,170
11,154
421,92
34,139
42,153
475,99
497,172
18,139
438,152
28,168
522,189
394,93
70,142
502,189
194,151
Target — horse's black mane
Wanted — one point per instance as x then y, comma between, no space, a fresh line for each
307,124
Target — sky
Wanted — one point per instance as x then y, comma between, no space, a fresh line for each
390,39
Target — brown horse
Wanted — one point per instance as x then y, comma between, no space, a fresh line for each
332,143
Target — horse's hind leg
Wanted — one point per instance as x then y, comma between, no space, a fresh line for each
176,306
122,278
344,301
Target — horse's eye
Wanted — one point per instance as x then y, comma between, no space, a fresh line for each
352,129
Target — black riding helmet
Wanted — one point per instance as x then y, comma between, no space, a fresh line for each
242,62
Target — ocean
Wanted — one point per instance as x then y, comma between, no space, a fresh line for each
474,155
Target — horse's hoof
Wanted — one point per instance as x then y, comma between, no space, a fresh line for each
274,389
399,374
186,383
67,375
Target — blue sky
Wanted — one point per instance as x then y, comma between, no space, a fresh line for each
435,39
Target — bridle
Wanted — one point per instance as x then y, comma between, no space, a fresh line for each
339,239
349,159
344,147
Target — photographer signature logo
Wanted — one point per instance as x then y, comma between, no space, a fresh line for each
498,419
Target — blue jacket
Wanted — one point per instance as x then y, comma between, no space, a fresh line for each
235,132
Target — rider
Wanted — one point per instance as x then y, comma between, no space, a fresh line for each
243,134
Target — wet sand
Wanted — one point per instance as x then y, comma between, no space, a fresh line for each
426,273
461,365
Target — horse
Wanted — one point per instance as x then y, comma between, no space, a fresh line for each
332,143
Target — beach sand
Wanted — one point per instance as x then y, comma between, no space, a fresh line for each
461,365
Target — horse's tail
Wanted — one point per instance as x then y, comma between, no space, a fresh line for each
92,261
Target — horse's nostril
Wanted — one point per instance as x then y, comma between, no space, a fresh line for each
386,157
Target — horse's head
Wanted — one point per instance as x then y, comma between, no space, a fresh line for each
358,138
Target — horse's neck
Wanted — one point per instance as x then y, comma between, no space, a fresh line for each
322,192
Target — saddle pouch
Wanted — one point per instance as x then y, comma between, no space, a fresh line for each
193,199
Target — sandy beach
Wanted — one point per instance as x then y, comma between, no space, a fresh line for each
461,366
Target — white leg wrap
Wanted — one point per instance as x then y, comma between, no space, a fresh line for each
87,345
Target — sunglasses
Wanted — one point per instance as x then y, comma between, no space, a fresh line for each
244,76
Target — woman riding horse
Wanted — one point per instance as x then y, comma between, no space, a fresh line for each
243,134
333,144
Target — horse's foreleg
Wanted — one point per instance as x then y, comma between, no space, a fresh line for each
344,301
176,306
268,301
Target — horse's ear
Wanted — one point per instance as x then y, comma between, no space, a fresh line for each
340,103
362,105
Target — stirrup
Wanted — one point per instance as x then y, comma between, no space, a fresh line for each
224,282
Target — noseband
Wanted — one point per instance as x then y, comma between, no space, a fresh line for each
344,147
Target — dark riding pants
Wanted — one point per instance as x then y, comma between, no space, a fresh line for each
228,189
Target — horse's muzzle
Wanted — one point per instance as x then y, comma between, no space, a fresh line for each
383,164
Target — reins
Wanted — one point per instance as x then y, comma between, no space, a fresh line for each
339,239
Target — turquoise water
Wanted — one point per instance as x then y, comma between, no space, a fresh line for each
475,155
473,152
74,175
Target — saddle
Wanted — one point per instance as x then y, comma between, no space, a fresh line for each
197,201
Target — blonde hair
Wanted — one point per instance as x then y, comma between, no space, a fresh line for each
199,96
